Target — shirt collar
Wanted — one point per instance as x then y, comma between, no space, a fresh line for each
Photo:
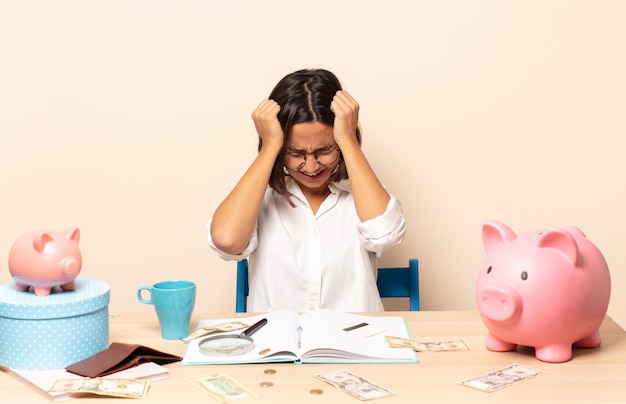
336,188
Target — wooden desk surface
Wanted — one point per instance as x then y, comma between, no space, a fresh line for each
593,375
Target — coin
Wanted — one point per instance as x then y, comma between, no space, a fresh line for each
316,392
269,371
266,384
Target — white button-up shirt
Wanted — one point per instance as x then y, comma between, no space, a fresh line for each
300,261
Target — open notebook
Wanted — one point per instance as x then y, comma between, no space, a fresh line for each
320,336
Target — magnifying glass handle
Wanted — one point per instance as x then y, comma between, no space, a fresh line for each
254,327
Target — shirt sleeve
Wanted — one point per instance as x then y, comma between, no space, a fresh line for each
385,231
252,245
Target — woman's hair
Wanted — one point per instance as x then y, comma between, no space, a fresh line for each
304,96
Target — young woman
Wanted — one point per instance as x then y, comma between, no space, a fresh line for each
310,213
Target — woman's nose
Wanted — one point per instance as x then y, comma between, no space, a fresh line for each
310,163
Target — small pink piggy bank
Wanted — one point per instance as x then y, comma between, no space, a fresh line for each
546,289
43,260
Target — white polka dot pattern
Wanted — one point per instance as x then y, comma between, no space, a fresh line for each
54,331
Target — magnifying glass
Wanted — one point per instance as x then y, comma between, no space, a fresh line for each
230,345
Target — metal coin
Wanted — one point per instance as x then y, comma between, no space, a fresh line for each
266,384
269,371
316,392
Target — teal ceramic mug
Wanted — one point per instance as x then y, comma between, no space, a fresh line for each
173,302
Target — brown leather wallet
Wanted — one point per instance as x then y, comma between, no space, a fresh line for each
119,357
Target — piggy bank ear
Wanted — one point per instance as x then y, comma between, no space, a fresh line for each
562,241
575,230
41,239
72,234
496,233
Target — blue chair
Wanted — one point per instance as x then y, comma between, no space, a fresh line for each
391,282
401,282
241,296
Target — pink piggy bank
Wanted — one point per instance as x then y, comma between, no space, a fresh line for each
546,289
44,260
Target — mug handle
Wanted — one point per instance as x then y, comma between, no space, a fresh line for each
140,298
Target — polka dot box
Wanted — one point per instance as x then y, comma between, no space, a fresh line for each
54,331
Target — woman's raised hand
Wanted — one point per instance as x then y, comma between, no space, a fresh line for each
346,111
265,118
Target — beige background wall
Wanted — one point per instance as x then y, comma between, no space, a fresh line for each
131,120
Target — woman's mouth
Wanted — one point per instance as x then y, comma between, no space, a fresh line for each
312,176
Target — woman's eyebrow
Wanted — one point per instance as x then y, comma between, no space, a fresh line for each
291,149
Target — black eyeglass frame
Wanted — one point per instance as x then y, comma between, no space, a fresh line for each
304,155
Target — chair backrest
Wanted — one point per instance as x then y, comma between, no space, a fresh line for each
401,282
241,296
391,282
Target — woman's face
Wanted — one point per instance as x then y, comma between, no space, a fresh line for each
309,137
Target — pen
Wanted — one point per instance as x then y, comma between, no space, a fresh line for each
299,336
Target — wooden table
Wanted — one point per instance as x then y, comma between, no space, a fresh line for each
593,375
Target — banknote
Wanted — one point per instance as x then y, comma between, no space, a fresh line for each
501,378
127,388
432,346
354,385
212,329
222,387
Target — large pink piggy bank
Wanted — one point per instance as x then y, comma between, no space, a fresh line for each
44,260
546,289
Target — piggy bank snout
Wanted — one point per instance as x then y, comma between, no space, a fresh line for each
70,266
500,303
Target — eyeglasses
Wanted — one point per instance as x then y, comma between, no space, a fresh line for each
295,160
